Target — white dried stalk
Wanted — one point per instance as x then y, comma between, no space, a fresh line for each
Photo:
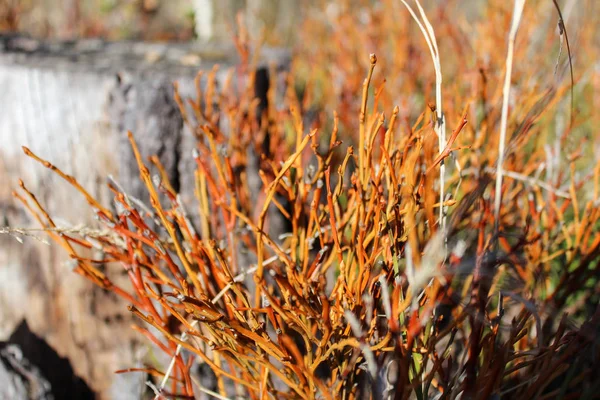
517,13
163,383
440,126
537,182
385,294
81,230
208,391
534,182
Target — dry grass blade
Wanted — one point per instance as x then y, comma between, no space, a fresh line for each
512,35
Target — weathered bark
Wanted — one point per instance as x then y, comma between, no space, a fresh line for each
72,104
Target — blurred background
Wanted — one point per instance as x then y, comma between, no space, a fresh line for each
156,20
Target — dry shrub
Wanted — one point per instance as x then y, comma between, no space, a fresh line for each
364,295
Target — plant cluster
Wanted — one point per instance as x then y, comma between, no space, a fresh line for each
395,274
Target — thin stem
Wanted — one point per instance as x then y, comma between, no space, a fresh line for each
517,13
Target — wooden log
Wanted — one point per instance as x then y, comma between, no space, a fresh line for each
72,103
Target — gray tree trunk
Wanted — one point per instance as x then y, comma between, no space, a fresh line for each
72,105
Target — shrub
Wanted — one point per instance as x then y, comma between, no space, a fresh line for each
366,294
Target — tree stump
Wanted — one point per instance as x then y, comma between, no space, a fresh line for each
72,104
